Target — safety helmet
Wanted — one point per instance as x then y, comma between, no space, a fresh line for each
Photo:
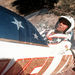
70,20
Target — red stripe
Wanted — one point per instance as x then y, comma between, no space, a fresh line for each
61,64
69,64
25,67
45,65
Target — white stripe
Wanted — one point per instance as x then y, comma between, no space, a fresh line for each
64,65
53,65
18,51
36,70
8,66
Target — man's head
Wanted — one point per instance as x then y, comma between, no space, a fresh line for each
65,24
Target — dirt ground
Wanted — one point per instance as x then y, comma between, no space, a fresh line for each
8,4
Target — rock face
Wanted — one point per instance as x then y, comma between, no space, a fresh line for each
44,21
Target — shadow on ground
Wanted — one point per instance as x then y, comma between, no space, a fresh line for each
30,6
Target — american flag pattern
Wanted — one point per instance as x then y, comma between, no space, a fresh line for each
15,27
36,66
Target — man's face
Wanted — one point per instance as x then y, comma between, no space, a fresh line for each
62,26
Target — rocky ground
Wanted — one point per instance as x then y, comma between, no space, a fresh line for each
43,20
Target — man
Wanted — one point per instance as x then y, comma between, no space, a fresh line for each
62,32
